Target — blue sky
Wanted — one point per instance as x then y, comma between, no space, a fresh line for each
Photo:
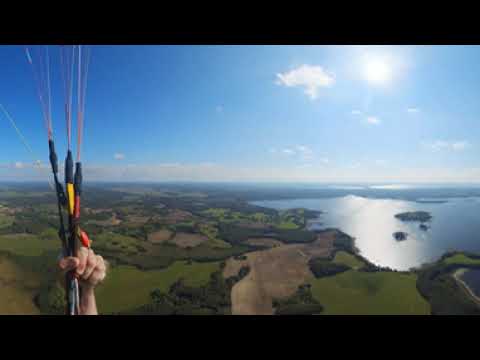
258,113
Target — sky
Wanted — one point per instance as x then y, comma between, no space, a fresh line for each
256,113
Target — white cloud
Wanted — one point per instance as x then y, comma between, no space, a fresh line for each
306,154
118,156
301,153
413,110
381,162
324,160
373,120
460,145
21,165
439,145
356,112
309,77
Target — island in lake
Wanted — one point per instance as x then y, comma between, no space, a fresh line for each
424,227
400,235
421,216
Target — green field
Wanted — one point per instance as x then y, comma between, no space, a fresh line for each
461,259
342,257
127,287
218,243
287,225
188,226
230,216
28,245
369,293
216,212
208,230
211,232
17,287
6,221
260,217
116,242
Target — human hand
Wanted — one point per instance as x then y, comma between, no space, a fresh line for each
90,268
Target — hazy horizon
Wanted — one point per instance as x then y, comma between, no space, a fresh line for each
332,185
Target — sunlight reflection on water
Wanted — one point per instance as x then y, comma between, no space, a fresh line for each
454,225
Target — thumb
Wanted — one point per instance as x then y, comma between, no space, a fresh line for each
68,263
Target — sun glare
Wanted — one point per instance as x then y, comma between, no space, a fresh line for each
377,71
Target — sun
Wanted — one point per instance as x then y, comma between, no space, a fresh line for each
377,71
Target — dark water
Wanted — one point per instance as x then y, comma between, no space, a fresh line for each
472,279
455,226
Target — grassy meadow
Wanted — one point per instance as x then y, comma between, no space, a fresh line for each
369,293
128,287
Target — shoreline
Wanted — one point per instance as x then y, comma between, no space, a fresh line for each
456,275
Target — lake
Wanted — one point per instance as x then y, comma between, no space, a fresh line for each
455,226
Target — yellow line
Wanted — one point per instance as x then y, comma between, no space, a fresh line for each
71,195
